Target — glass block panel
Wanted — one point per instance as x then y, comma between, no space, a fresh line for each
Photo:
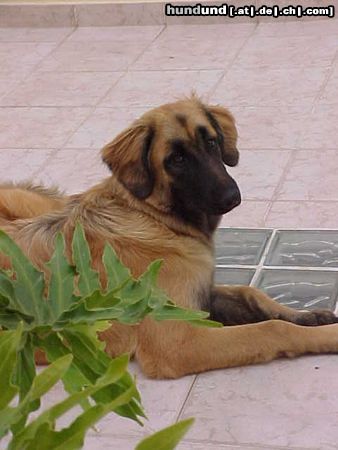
233,276
300,289
304,248
240,246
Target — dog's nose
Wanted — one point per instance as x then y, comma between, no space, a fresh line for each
232,197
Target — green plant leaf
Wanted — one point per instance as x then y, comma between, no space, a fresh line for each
9,346
25,367
117,273
88,278
33,432
6,289
43,382
166,439
61,284
29,283
98,301
173,312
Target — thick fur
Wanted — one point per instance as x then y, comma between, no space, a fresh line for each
164,199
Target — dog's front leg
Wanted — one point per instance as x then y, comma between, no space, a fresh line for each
173,349
237,305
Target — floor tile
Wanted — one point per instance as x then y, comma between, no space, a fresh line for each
118,34
259,172
329,94
22,56
270,86
248,214
185,47
102,126
96,56
312,175
288,51
275,127
38,127
12,34
318,129
298,28
74,170
283,403
188,445
7,83
62,89
109,443
295,214
21,164
137,88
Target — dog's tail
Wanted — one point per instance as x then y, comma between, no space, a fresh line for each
25,200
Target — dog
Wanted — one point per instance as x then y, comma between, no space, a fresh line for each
168,189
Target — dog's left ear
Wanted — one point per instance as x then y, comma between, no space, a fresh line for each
128,157
224,124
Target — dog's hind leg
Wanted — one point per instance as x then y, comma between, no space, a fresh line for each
237,305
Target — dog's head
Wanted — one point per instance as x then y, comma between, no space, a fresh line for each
174,158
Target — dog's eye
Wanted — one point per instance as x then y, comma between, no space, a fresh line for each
177,159
212,144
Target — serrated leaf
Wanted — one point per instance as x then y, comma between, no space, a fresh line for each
85,349
49,376
72,437
117,273
6,289
88,278
166,439
29,283
98,301
61,284
9,347
173,312
136,290
9,320
25,368
32,433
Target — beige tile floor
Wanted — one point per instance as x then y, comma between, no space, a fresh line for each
65,92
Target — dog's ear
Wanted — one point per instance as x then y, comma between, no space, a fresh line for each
128,157
224,124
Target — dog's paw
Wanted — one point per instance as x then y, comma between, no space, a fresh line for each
316,317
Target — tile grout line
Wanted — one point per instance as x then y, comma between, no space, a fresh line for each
180,412
123,73
231,63
163,28
279,184
30,73
325,82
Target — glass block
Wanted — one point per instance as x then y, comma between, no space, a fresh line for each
304,248
300,289
240,246
233,276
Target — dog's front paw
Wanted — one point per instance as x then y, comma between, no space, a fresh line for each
316,317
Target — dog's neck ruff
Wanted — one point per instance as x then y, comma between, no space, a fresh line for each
113,194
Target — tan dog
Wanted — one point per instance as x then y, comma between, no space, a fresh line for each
164,199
